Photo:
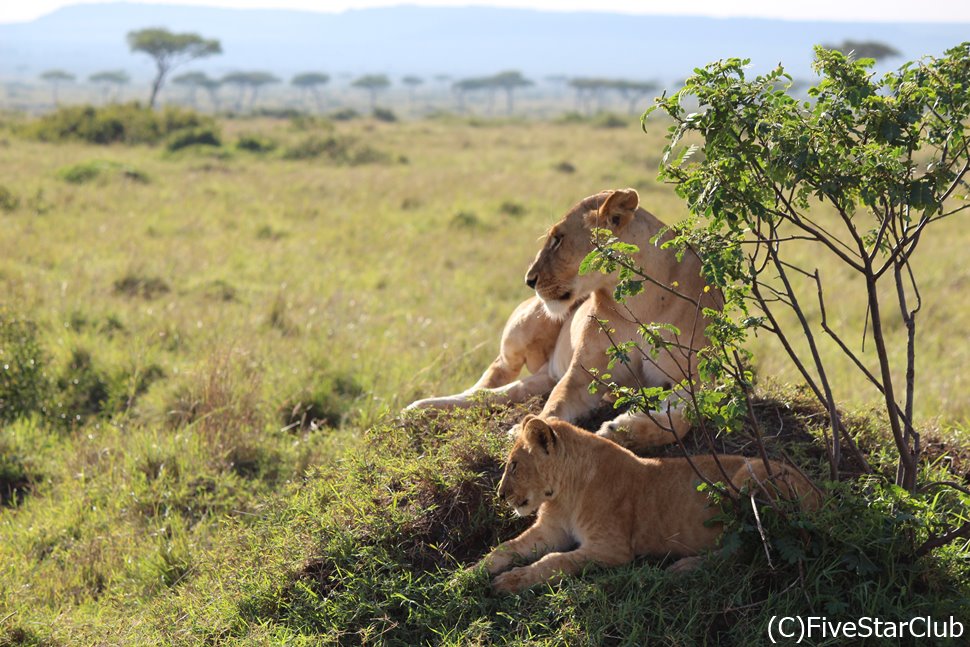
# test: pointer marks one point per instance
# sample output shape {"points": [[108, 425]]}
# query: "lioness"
{"points": [[600, 503], [556, 333]]}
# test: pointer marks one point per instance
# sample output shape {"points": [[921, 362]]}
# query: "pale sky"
{"points": [[841, 10]]}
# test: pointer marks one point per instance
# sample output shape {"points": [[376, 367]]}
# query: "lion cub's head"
{"points": [[531, 471], [555, 272]]}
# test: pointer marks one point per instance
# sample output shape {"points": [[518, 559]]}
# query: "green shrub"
{"points": [[465, 220], [136, 285], [83, 172], [24, 386], [611, 120], [82, 391], [8, 200], [513, 209], [128, 123], [255, 144], [200, 136], [344, 114], [326, 404], [385, 115], [337, 149], [15, 479]]}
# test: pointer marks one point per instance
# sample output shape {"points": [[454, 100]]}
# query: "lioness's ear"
{"points": [[538, 434], [617, 210]]}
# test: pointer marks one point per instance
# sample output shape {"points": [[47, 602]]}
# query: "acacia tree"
{"points": [[169, 50], [255, 81], [412, 82], [859, 174], [108, 78], [509, 81], [312, 81], [372, 83], [55, 78], [193, 81], [866, 49]]}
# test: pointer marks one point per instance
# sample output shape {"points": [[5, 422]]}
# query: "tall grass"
{"points": [[230, 330]]}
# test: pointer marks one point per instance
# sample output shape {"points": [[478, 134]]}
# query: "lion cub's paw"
{"points": [[514, 581], [686, 564]]}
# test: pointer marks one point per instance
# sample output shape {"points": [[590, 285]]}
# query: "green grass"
{"points": [[237, 335]]}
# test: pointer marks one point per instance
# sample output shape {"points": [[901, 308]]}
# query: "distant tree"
{"points": [[373, 83], [865, 49], [464, 86], [633, 92], [442, 78], [241, 81], [55, 78], [212, 86], [256, 81], [107, 79], [251, 81], [557, 81], [169, 51], [193, 81], [412, 82], [509, 81], [588, 88], [311, 82]]}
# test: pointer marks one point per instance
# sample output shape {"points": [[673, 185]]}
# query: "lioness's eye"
{"points": [[556, 240], [512, 467]]}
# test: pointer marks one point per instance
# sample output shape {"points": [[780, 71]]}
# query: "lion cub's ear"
{"points": [[617, 210], [540, 435]]}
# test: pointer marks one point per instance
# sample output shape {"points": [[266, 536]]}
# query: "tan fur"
{"points": [[555, 334], [599, 503]]}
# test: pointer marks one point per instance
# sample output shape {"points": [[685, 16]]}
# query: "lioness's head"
{"points": [[555, 272], [530, 475]]}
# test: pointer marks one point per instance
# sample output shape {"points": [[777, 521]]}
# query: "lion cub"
{"points": [[598, 502]]}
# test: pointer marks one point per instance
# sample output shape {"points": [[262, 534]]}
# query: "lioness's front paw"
{"points": [[612, 430], [514, 581], [686, 564]]}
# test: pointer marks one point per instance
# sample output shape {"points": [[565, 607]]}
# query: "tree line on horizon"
{"points": [[170, 50]]}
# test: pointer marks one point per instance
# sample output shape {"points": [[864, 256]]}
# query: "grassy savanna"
{"points": [[226, 337]]}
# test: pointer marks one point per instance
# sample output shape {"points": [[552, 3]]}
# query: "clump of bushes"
{"points": [[255, 144], [344, 114], [465, 220], [84, 172], [24, 387], [326, 404], [199, 136], [222, 402], [385, 115], [336, 149], [129, 123], [137, 285], [15, 479], [513, 209], [612, 120], [8, 200]]}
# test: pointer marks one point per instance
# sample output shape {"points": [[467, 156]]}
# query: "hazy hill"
{"points": [[455, 41]]}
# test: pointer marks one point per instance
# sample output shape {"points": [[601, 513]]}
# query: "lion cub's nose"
{"points": [[530, 280]]}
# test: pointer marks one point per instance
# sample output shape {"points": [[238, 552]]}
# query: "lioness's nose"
{"points": [[530, 280]]}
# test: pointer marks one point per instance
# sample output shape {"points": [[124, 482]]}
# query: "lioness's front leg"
{"points": [[637, 431], [538, 540], [527, 341]]}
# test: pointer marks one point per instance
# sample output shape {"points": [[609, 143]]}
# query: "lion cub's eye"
{"points": [[512, 467]]}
